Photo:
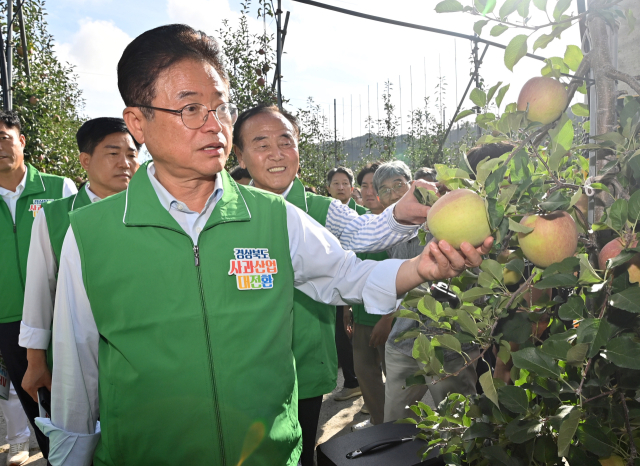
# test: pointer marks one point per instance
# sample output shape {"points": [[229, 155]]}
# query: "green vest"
{"points": [[314, 323], [57, 216], [360, 315], [357, 207], [15, 237], [193, 370]]}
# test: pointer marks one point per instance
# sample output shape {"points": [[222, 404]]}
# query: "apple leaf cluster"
{"points": [[49, 101], [566, 337]]}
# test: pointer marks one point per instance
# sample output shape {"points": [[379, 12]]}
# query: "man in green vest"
{"points": [[24, 191], [109, 156], [340, 186], [266, 143], [173, 315]]}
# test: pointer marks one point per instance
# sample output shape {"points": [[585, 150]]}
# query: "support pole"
{"points": [[279, 53], [9, 92], [335, 132], [23, 41]]}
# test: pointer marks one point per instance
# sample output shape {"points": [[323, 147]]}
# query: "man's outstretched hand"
{"points": [[408, 211], [439, 261]]}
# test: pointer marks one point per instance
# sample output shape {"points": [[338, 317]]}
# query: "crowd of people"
{"points": [[173, 312]]}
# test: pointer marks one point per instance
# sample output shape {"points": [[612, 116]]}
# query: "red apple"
{"points": [[545, 98], [553, 239], [611, 250]]}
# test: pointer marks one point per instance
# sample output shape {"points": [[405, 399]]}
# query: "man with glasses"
{"points": [[392, 180], [174, 305]]}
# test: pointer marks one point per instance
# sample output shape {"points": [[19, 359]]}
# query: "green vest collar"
{"points": [[297, 195], [81, 199], [34, 184], [352, 203], [143, 208]]}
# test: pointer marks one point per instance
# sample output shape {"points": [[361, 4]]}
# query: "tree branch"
{"points": [[610, 392], [632, 444], [624, 77]]}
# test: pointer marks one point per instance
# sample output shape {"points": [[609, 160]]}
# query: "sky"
{"points": [[327, 55]]}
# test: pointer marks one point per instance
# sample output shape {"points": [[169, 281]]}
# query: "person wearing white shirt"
{"points": [[175, 297], [24, 191], [109, 156]]}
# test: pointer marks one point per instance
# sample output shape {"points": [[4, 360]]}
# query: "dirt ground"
{"points": [[336, 418]]}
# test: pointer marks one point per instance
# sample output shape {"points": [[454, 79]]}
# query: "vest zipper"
{"points": [[205, 318], [15, 237]]}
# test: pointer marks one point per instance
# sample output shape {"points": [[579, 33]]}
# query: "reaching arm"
{"points": [[73, 430], [374, 233]]}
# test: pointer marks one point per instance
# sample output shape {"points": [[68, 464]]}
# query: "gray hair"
{"points": [[390, 170]]}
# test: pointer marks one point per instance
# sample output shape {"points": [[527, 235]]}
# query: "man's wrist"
{"points": [[36, 356]]}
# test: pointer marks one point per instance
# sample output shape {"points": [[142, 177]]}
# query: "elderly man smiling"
{"points": [[266, 142], [173, 320]]}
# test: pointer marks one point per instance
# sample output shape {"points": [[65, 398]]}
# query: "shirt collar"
{"points": [[92, 196], [284, 194], [19, 188], [169, 202]]}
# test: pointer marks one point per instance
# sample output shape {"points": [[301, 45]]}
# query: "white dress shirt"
{"points": [[11, 197], [37, 313], [322, 270], [364, 233]]}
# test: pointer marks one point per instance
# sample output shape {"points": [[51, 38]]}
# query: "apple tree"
{"points": [[563, 320], [48, 100]]}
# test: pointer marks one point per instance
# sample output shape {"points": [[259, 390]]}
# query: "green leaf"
{"points": [[518, 227], [497, 456], [561, 141], [545, 450], [573, 309], [514, 398], [504, 353], [634, 207], [493, 267], [631, 20], [523, 8], [517, 265], [588, 275], [595, 440], [557, 280], [629, 300], [463, 114], [478, 97], [542, 41], [486, 382], [595, 332], [540, 4], [577, 353], [568, 265], [560, 8], [573, 57], [492, 91], [475, 293], [467, 323], [425, 196], [422, 349], [534, 360], [449, 6], [406, 314], [478, 430], [557, 201], [519, 431], [516, 49], [623, 352], [503, 90], [557, 349], [447, 341], [581, 110], [614, 137], [485, 6], [508, 7], [484, 169], [498, 29], [618, 214], [567, 431], [478, 25]]}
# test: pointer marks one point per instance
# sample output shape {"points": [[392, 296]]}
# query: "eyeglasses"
{"points": [[194, 116], [397, 188]]}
